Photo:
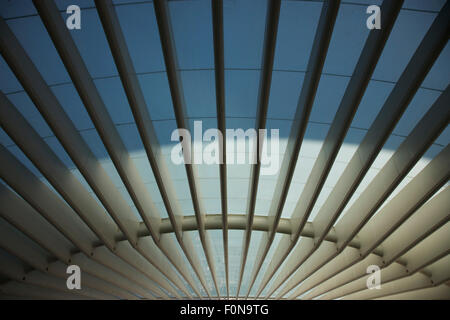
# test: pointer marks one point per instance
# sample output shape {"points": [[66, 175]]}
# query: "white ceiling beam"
{"points": [[394, 106], [21, 246], [441, 292], [412, 282], [354, 92], [426, 220], [268, 55], [176, 90], [219, 74], [64, 130]]}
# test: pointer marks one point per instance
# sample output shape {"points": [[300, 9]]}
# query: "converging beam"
{"points": [[378, 133], [270, 39], [304, 106], [176, 90], [217, 18]]}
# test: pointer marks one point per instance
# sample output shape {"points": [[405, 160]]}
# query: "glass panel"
{"points": [[371, 104], [188, 266], [276, 274], [155, 88], [269, 172], [241, 94], [238, 173]]}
